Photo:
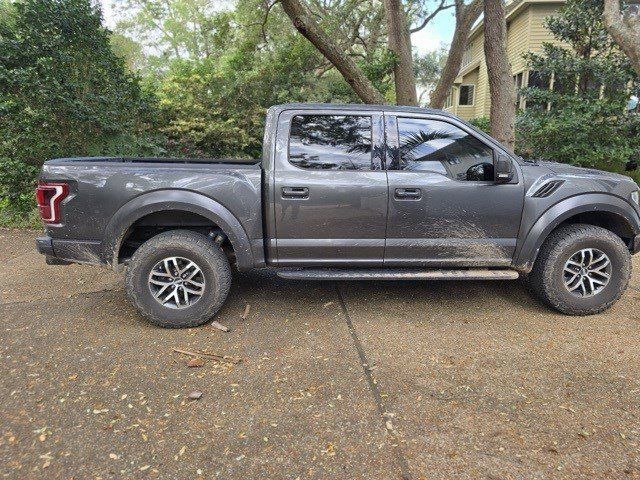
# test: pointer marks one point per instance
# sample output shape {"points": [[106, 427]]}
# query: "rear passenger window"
{"points": [[435, 146], [331, 142]]}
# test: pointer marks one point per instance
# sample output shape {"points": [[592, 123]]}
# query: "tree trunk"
{"points": [[309, 28], [465, 18], [503, 110], [625, 31], [400, 45]]}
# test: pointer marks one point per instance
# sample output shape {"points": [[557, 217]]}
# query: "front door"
{"points": [[444, 207], [330, 190]]}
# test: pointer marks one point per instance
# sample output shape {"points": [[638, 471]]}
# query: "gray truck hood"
{"points": [[578, 180], [573, 171]]}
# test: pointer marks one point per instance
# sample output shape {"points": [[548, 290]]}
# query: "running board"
{"points": [[398, 274]]}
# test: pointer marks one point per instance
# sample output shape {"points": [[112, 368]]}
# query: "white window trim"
{"points": [[521, 101], [474, 94], [451, 98]]}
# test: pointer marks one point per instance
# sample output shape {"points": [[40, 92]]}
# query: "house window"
{"points": [[466, 57], [466, 95], [517, 81], [541, 81]]}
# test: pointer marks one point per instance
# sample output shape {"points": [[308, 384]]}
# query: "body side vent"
{"points": [[548, 188]]}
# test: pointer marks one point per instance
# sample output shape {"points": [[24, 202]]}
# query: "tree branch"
{"points": [[305, 24], [432, 15], [625, 31], [263, 24]]}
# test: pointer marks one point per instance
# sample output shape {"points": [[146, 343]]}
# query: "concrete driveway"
{"points": [[336, 381]]}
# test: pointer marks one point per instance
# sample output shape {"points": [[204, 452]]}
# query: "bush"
{"points": [[482, 123], [589, 134], [62, 89], [17, 184], [580, 120]]}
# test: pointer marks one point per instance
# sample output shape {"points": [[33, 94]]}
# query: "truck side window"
{"points": [[440, 147], [331, 142]]}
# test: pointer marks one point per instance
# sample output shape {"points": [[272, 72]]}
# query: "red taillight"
{"points": [[49, 196]]}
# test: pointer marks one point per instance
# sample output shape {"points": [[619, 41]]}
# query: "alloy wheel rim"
{"points": [[587, 272], [176, 282]]}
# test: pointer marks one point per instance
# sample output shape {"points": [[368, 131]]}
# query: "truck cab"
{"points": [[395, 188]]}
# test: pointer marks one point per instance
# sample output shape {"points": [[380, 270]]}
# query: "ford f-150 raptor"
{"points": [[344, 192]]}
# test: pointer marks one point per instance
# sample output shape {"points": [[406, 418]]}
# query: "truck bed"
{"points": [[104, 189]]}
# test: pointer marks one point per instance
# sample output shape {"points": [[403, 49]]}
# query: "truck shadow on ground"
{"points": [[396, 299]]}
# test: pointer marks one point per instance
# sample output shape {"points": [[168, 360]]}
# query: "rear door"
{"points": [[330, 195], [444, 207]]}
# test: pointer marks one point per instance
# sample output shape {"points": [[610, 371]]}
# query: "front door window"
{"points": [[440, 147]]}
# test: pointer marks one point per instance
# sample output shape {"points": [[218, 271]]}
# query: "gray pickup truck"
{"points": [[344, 192]]}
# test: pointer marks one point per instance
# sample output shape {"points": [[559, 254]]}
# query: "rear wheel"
{"points": [[178, 279], [581, 269]]}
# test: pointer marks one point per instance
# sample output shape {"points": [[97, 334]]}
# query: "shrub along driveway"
{"points": [[350, 380]]}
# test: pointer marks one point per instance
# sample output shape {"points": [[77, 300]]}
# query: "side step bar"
{"points": [[398, 274]]}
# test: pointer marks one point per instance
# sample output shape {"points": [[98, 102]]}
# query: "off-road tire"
{"points": [[546, 278], [190, 245]]}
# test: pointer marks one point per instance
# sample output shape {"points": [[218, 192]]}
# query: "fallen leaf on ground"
{"points": [[195, 362]]}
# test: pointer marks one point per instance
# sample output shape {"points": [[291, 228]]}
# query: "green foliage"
{"points": [[582, 120], [482, 123], [17, 185], [63, 92], [590, 134], [62, 89], [428, 68]]}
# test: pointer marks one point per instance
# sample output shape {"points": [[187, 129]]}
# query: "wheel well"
{"points": [[158, 222], [611, 221]]}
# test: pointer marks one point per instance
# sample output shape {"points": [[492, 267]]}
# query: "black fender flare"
{"points": [[532, 240], [162, 200]]}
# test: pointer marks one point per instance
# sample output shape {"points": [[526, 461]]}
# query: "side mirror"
{"points": [[503, 168], [480, 172]]}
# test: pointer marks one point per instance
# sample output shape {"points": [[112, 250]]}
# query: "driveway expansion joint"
{"points": [[400, 458]]}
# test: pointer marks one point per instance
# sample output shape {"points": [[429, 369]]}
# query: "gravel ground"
{"points": [[348, 381]]}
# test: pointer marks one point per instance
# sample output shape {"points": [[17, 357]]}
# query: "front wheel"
{"points": [[581, 269], [178, 279]]}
